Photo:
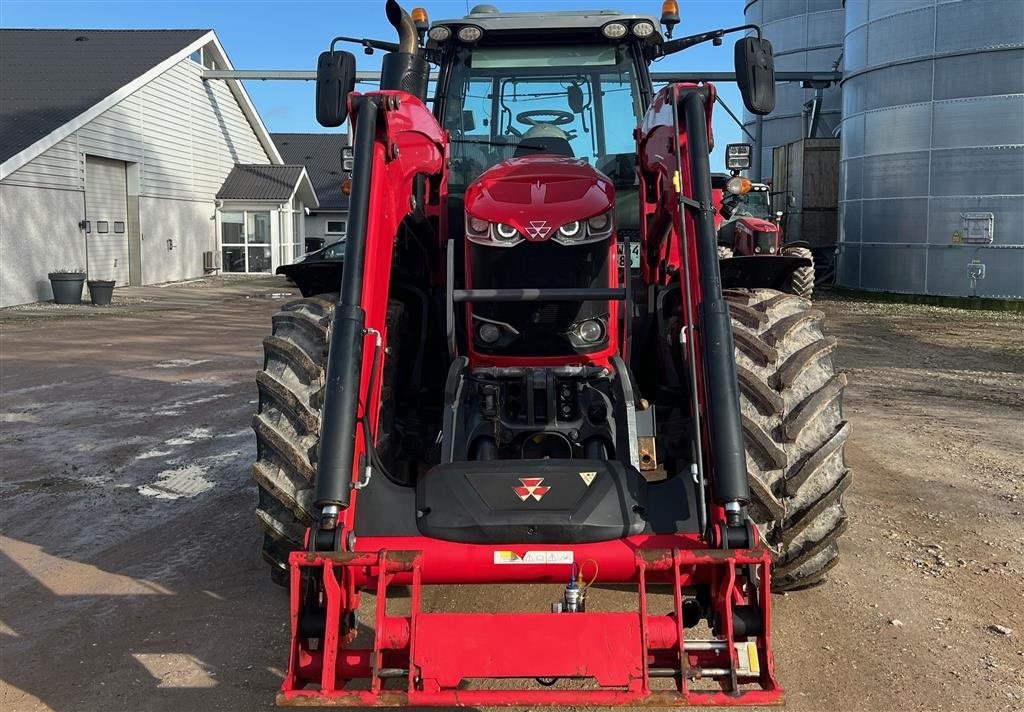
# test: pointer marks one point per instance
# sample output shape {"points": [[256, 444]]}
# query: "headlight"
{"points": [[505, 233], [600, 224], [478, 225], [643, 29], [614, 30], [579, 232], [470, 33], [571, 231], [489, 333], [590, 331], [484, 232], [440, 33]]}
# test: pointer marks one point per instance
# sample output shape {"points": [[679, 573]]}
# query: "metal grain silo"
{"points": [[932, 157], [807, 35]]}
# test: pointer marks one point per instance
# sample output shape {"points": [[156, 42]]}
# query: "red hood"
{"points": [[534, 189], [758, 224]]}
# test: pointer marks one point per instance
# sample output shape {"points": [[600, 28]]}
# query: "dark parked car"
{"points": [[317, 272]]}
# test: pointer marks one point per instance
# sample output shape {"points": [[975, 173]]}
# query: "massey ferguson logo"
{"points": [[530, 488], [538, 230]]}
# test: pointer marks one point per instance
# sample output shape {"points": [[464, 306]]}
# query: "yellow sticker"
{"points": [[588, 477], [755, 664]]}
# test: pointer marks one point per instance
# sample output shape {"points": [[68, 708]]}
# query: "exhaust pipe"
{"points": [[404, 70], [402, 22]]}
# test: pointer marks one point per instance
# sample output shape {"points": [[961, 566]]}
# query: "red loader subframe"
{"points": [[563, 483]]}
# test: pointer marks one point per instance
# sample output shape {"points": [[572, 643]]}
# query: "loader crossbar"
{"points": [[594, 658]]}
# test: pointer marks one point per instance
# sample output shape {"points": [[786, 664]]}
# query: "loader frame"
{"points": [[423, 659]]}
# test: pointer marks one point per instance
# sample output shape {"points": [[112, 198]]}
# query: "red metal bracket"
{"points": [[434, 659]]}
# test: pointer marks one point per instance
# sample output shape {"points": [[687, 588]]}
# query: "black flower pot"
{"points": [[101, 291], [67, 287]]}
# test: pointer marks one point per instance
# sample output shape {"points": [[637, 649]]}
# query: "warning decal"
{"points": [[533, 557]]}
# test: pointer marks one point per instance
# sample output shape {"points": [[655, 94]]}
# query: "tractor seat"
{"points": [[544, 138]]}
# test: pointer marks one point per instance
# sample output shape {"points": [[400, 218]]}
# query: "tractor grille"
{"points": [[542, 326]]}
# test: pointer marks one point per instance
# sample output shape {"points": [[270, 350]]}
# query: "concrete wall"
{"points": [[190, 225], [47, 220]]}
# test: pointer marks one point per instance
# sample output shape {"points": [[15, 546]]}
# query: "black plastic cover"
{"points": [[335, 80], [551, 501], [755, 74]]}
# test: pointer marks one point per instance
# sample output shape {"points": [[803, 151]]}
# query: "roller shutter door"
{"points": [[106, 209]]}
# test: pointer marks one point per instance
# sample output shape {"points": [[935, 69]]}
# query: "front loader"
{"points": [[489, 398]]}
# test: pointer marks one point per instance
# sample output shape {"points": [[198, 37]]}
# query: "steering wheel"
{"points": [[535, 117]]}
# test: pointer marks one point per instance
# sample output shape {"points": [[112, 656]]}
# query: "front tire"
{"points": [[287, 425], [801, 281], [791, 410]]}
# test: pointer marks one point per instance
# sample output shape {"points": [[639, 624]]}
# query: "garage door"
{"points": [[106, 209]]}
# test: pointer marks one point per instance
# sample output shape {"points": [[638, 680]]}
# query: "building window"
{"points": [[197, 56], [335, 227], [245, 241]]}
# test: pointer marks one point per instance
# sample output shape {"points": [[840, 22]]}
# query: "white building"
{"points": [[320, 153], [113, 149]]}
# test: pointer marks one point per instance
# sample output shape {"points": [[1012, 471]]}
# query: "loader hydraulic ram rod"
{"points": [[726, 434], [345, 359]]}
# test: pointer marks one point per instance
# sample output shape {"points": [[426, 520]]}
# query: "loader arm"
{"points": [[679, 246], [396, 140]]}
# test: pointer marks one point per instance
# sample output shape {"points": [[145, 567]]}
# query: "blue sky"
{"points": [[278, 34]]}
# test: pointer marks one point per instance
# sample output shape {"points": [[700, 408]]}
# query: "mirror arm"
{"points": [[682, 43], [366, 43]]}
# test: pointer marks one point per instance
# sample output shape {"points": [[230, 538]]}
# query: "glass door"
{"points": [[258, 235], [245, 241]]}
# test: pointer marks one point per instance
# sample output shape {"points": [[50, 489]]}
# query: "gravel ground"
{"points": [[129, 571]]}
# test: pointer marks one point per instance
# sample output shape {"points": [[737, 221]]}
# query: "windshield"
{"points": [[754, 205], [586, 94]]}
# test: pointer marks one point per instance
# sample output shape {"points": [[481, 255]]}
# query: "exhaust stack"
{"points": [[405, 69]]}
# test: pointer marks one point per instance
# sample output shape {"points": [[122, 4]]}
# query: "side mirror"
{"points": [[575, 98], [335, 80], [755, 74], [468, 122]]}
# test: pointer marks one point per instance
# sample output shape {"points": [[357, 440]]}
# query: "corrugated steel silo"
{"points": [[807, 35], [932, 158]]}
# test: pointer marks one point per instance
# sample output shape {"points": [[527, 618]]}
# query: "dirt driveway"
{"points": [[129, 572]]}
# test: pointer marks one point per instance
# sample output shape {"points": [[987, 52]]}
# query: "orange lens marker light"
{"points": [[419, 16]]}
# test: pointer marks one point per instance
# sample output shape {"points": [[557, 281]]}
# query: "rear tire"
{"points": [[791, 410], [801, 281]]}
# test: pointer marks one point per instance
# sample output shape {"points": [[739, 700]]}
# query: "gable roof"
{"points": [[320, 153], [259, 181], [55, 81]]}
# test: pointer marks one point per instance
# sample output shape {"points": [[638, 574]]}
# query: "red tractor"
{"points": [[747, 227], [488, 399]]}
